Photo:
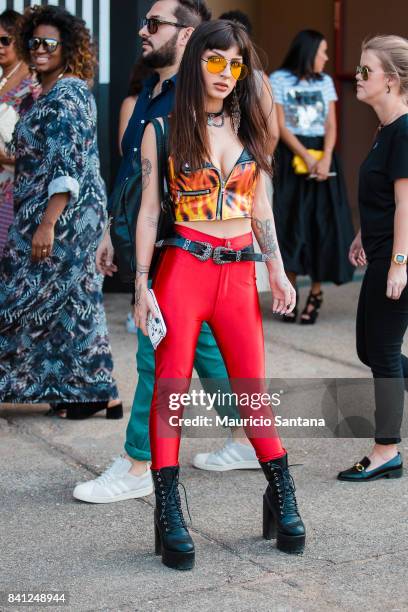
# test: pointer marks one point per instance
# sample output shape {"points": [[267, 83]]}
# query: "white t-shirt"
{"points": [[305, 103]]}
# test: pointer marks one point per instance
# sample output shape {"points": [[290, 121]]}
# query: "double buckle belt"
{"points": [[204, 251]]}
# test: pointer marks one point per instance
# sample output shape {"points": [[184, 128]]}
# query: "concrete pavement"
{"points": [[103, 556]]}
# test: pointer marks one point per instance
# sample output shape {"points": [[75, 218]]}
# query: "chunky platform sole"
{"points": [[294, 545], [173, 559], [391, 473], [79, 412]]}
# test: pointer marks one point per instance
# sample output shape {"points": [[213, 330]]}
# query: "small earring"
{"points": [[388, 89], [235, 112], [66, 69]]}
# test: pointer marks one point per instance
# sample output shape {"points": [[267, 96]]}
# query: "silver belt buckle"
{"points": [[207, 253], [218, 252]]}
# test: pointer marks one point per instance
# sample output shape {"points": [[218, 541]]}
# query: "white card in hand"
{"points": [[156, 326]]}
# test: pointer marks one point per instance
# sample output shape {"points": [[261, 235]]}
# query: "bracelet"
{"points": [[107, 225], [269, 256]]}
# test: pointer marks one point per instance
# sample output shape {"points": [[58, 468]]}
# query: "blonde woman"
{"points": [[382, 242]]}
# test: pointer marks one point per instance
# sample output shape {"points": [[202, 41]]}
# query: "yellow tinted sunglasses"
{"points": [[217, 64]]}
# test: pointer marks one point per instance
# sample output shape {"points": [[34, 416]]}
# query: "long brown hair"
{"points": [[189, 137]]}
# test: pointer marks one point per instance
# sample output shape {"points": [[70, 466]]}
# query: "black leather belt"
{"points": [[205, 251]]}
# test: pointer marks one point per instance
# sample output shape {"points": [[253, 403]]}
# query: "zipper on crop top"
{"points": [[223, 184], [200, 192]]}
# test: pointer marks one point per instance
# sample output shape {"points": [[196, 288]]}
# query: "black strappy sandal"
{"points": [[292, 316], [77, 411], [315, 300]]}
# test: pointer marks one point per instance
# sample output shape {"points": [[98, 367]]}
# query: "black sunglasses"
{"points": [[6, 41], [50, 44], [152, 24]]}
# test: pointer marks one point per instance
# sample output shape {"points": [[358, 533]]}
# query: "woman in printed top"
{"points": [[218, 168], [54, 345], [313, 221], [382, 243], [15, 84]]}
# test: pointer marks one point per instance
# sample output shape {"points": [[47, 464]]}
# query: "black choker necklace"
{"points": [[212, 118], [216, 114]]}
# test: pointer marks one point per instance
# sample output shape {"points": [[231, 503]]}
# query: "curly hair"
{"points": [[78, 50]]}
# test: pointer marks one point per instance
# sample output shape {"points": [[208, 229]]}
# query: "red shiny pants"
{"points": [[190, 292]]}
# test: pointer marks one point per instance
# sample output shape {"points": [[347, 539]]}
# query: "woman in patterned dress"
{"points": [[54, 344], [15, 84]]}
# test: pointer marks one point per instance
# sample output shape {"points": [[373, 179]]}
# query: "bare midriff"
{"points": [[220, 229]]}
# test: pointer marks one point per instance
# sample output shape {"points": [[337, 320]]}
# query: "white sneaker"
{"points": [[232, 456], [130, 324], [115, 484]]}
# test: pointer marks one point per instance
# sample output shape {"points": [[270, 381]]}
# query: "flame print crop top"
{"points": [[203, 194]]}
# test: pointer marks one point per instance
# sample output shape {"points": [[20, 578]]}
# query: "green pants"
{"points": [[208, 364]]}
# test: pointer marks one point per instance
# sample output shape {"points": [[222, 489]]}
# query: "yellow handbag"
{"points": [[299, 165]]}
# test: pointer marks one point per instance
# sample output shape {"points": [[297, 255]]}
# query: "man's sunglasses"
{"points": [[6, 41], [217, 64], [364, 71], [49, 44], [152, 24]]}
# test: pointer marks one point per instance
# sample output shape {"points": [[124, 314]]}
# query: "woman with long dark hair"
{"points": [[54, 344], [313, 221], [217, 167]]}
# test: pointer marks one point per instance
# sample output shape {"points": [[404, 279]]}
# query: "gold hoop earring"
{"points": [[64, 72]]}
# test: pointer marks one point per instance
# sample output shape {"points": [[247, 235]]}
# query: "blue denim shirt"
{"points": [[146, 109]]}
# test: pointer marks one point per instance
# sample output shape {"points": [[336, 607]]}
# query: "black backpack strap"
{"points": [[166, 152], [162, 155], [166, 133], [135, 159]]}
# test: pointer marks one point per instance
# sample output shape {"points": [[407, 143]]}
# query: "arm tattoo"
{"points": [[138, 294], [146, 172], [152, 222], [266, 237]]}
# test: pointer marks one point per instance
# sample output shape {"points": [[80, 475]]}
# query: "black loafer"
{"points": [[359, 473]]}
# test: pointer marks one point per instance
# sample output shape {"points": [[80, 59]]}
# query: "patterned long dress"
{"points": [[13, 98], [53, 337]]}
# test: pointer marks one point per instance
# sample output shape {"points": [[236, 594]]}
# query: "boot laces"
{"points": [[285, 487], [173, 495]]}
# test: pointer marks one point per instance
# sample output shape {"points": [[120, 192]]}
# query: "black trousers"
{"points": [[381, 325]]}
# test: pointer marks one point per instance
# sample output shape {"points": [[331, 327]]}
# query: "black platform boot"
{"points": [[281, 518], [172, 540]]}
